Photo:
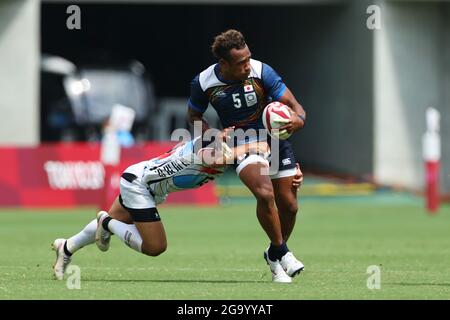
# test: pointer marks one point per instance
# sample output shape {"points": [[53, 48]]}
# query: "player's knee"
{"points": [[265, 194], [292, 208], [154, 250], [288, 207]]}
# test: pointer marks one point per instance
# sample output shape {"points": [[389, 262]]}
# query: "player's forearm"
{"points": [[289, 99], [251, 148], [301, 113], [196, 116], [298, 109], [226, 155]]}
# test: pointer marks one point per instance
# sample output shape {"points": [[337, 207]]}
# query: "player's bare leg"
{"points": [[286, 200], [119, 213], [145, 237], [153, 235], [261, 187]]}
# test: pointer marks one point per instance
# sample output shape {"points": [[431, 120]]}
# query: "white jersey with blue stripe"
{"points": [[178, 169]]}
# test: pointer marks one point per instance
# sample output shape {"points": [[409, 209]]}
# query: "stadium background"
{"points": [[365, 91]]}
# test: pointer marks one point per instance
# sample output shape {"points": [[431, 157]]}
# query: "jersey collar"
{"points": [[219, 76]]}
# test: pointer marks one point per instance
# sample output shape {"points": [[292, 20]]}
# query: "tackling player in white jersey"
{"points": [[133, 217]]}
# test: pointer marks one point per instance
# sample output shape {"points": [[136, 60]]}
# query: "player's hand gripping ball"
{"points": [[276, 115]]}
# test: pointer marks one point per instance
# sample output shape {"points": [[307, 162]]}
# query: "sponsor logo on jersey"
{"points": [[220, 94], [250, 99], [286, 161]]}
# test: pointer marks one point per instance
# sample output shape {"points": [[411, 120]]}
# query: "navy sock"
{"points": [[66, 251], [277, 252], [105, 223]]}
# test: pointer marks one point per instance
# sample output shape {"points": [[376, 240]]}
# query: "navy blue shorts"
{"points": [[286, 155]]}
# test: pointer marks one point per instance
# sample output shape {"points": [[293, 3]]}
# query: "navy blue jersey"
{"points": [[238, 103]]}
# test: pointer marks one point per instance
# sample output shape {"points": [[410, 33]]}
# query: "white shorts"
{"points": [[284, 173], [135, 195], [253, 158], [136, 198]]}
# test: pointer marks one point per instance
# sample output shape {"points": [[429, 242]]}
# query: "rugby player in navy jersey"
{"points": [[238, 88]]}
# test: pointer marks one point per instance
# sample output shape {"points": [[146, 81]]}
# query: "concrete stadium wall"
{"points": [[231, 2], [411, 74], [332, 70], [19, 65], [445, 106]]}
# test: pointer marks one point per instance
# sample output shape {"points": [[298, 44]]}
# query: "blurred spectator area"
{"points": [[77, 100]]}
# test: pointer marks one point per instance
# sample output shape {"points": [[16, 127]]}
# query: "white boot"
{"points": [[62, 259], [102, 236]]}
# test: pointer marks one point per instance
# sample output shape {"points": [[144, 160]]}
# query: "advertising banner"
{"points": [[69, 175]]}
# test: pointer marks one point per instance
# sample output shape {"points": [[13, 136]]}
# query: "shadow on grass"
{"points": [[175, 281], [419, 284]]}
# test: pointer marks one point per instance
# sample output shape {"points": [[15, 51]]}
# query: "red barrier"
{"points": [[432, 186], [69, 175]]}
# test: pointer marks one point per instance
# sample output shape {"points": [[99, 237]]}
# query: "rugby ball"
{"points": [[274, 116]]}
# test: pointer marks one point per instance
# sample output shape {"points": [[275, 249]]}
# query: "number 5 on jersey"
{"points": [[237, 100], [250, 99]]}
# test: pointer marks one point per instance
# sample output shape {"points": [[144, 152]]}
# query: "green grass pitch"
{"points": [[216, 253]]}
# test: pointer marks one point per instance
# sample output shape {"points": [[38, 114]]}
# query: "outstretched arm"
{"points": [[222, 155]]}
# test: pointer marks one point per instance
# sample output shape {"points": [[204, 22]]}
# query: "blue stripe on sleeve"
{"points": [[280, 93]]}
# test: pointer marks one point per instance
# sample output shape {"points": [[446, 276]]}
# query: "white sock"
{"points": [[127, 233], [85, 237]]}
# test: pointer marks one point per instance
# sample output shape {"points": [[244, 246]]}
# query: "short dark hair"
{"points": [[225, 42]]}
